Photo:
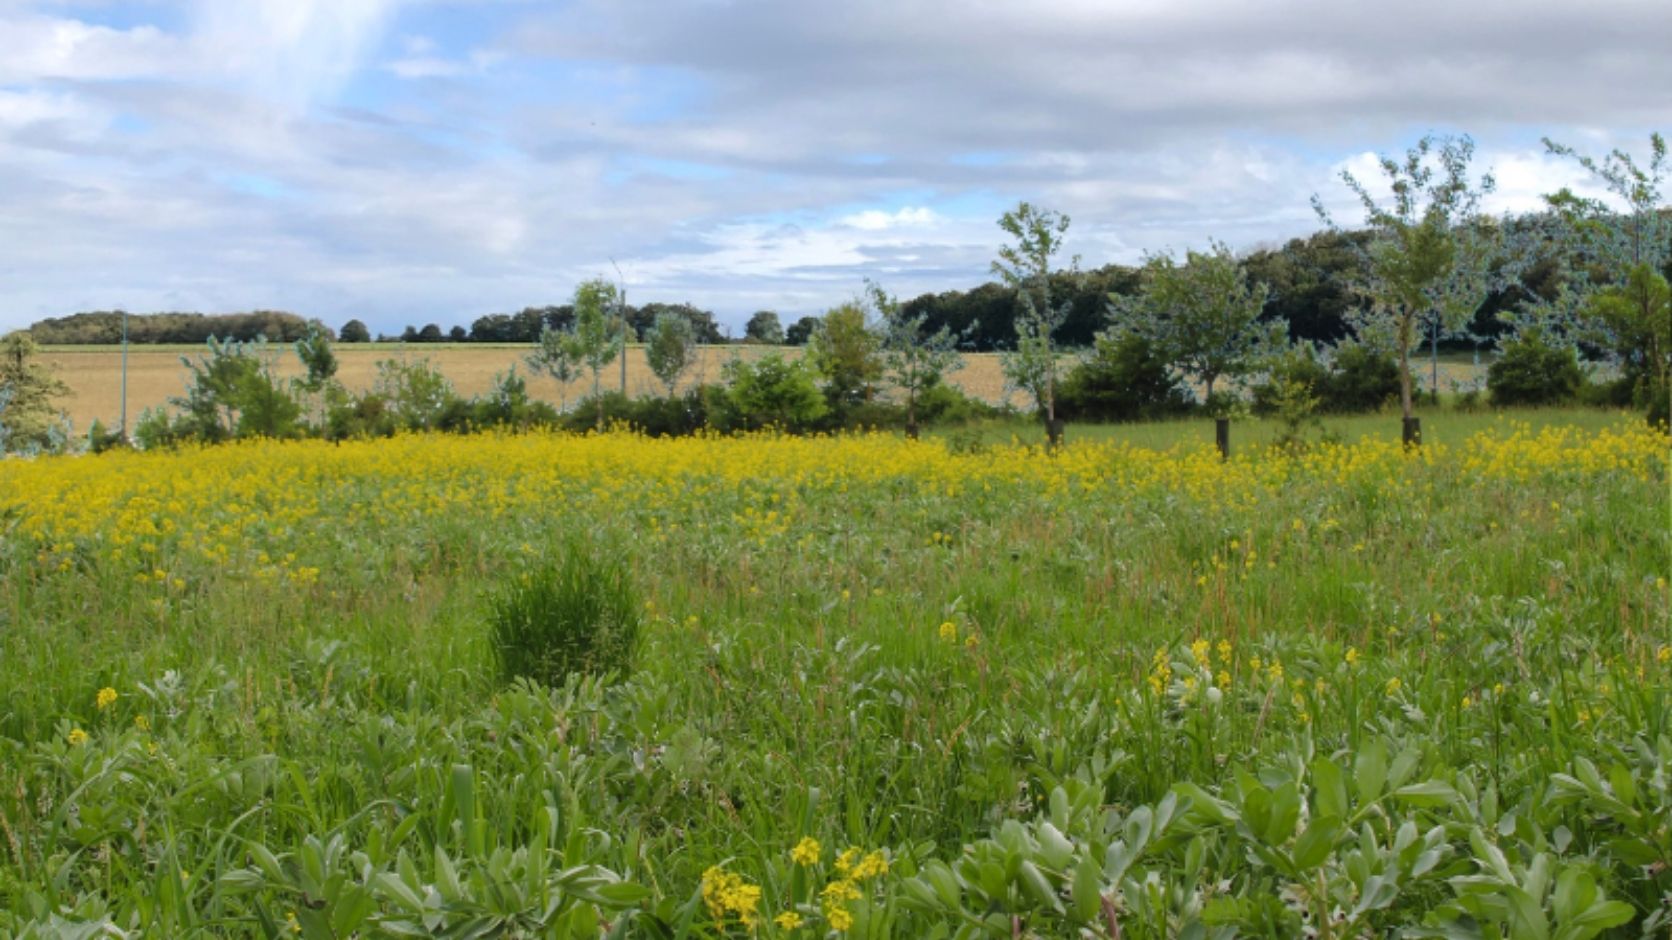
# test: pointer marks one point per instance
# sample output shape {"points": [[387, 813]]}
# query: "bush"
{"points": [[577, 617], [1124, 379], [1360, 379], [1295, 371], [1533, 371], [772, 391]]}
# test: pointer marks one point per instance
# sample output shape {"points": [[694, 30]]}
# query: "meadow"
{"points": [[955, 687]]}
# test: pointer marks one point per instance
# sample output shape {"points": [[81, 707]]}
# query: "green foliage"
{"points": [[913, 359], [1430, 255], [1123, 379], [801, 331], [764, 328], [414, 391], [1025, 266], [556, 356], [577, 616], [28, 394], [1201, 317], [597, 336], [354, 331], [105, 326], [1533, 371], [773, 392], [1636, 321], [1362, 378], [671, 349], [845, 351]]}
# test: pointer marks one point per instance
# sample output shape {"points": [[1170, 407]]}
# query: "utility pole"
{"points": [[621, 312], [124, 430]]}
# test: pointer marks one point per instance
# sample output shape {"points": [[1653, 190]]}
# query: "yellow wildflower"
{"points": [[1352, 656], [840, 919], [971, 642], [1663, 655], [1394, 685], [77, 737], [142, 723], [806, 852], [789, 920], [1199, 651], [949, 632], [105, 698], [845, 861]]}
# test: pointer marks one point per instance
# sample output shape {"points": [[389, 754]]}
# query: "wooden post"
{"points": [[1411, 432], [1222, 437]]}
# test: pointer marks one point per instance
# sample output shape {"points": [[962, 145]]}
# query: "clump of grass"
{"points": [[578, 615]]}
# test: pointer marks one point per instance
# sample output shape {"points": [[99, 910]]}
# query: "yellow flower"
{"points": [[1224, 651], [1394, 685], [806, 852], [105, 698], [789, 920], [142, 723], [1468, 702], [1352, 656], [872, 865], [949, 632], [840, 920], [845, 861], [77, 737], [1663, 655], [1199, 651], [971, 642], [1224, 679]]}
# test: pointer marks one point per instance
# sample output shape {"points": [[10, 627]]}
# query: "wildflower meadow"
{"points": [[854, 686]]}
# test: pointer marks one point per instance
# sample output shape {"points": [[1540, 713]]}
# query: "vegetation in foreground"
{"points": [[873, 688]]}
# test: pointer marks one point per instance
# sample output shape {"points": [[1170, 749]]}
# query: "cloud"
{"points": [[432, 160]]}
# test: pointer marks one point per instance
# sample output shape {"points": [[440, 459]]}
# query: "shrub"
{"points": [[1124, 379], [773, 391], [576, 617], [1533, 371], [1297, 366], [1361, 379]]}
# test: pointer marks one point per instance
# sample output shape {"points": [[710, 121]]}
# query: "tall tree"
{"points": [[321, 363], [354, 331], [1201, 317], [1025, 266], [1428, 255], [914, 360]]}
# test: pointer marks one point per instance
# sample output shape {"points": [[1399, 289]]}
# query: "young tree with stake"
{"points": [[597, 331], [913, 360], [1429, 257], [1026, 267]]}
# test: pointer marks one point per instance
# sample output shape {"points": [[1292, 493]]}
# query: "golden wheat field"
{"points": [[155, 373]]}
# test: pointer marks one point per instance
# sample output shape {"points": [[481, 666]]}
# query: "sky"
{"points": [[414, 161]]}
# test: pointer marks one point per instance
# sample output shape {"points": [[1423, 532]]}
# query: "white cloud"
{"points": [[876, 220]]}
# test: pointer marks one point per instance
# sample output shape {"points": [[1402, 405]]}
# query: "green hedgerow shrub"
{"points": [[1361, 379], [577, 616], [1534, 371]]}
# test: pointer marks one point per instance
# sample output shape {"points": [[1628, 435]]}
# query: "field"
{"points": [[155, 373], [882, 688]]}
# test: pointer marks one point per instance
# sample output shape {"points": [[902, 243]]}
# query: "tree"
{"points": [[764, 329], [1428, 256], [458, 334], [913, 359], [555, 357], [597, 333], [354, 332], [28, 390], [317, 357], [671, 348], [431, 333], [844, 351], [1026, 267], [801, 331], [1637, 316], [1201, 317], [1621, 297]]}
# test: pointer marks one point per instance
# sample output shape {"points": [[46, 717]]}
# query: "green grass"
{"points": [[960, 680]]}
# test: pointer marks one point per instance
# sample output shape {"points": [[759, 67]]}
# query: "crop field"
{"points": [[155, 374], [872, 688]]}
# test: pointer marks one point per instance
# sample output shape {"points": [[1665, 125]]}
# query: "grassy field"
{"points": [[881, 688], [156, 374]]}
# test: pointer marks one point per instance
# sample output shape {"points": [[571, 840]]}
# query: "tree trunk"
{"points": [[911, 415], [1405, 367]]}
